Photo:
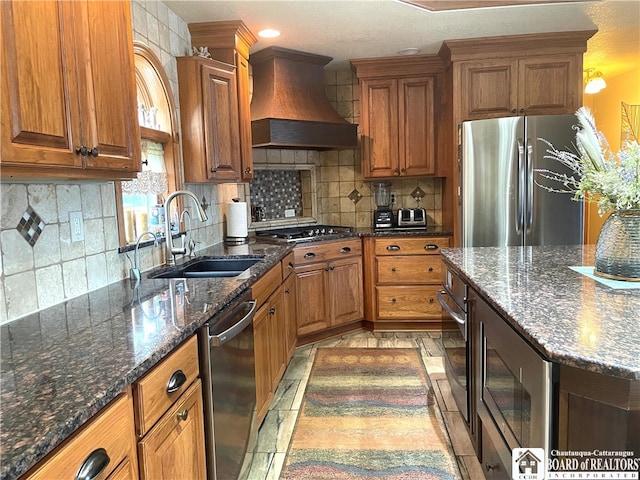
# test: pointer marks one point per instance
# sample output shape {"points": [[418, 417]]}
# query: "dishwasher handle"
{"points": [[226, 335]]}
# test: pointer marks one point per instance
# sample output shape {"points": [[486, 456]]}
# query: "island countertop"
{"points": [[569, 317]]}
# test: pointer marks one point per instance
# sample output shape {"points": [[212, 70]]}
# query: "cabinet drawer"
{"points": [[323, 251], [266, 285], [411, 302], [401, 269], [152, 395], [410, 246], [288, 264], [112, 429]]}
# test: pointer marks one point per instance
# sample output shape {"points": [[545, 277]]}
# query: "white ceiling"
{"points": [[346, 29]]}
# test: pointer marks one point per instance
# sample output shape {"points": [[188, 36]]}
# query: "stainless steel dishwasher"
{"points": [[227, 366]]}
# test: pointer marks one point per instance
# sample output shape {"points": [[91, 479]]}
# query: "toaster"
{"points": [[412, 217]]}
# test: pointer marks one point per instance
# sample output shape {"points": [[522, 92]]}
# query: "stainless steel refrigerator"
{"points": [[501, 204]]}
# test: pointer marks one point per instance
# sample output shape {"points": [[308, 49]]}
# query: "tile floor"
{"points": [[278, 425]]}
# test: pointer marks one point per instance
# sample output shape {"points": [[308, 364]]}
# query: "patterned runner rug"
{"points": [[369, 414]]}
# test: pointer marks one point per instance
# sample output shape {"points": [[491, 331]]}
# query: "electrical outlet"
{"points": [[77, 227], [290, 212]]}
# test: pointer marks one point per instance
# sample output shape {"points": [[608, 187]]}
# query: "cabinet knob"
{"points": [[247, 170], [272, 311], [289, 265], [431, 269], [397, 171], [490, 466], [403, 170], [513, 110], [176, 381], [287, 291], [332, 268], [94, 152], [393, 269], [82, 150], [393, 300], [93, 465], [431, 300], [522, 110], [214, 169], [183, 415]]}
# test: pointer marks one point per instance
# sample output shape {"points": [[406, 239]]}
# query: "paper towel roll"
{"points": [[237, 220]]}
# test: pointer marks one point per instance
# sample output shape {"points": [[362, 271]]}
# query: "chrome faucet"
{"points": [[191, 243], [171, 250], [134, 273]]}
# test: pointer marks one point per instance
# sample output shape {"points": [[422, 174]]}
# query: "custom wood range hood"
{"points": [[289, 108]]}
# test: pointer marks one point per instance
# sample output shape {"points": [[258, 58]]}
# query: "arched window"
{"points": [[139, 202]]}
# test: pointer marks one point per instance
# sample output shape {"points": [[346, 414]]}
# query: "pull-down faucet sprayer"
{"points": [[171, 250]]}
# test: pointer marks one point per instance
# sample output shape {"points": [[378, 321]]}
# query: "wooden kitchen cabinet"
{"points": [[68, 91], [209, 118], [229, 42], [402, 279], [170, 417], [109, 437], [271, 331], [328, 285], [398, 115], [545, 85]]}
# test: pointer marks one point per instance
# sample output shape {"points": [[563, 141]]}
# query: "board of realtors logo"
{"points": [[527, 464]]}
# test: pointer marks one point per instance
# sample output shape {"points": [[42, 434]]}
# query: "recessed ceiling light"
{"points": [[268, 33], [409, 51]]}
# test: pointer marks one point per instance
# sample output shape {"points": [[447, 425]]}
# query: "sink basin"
{"points": [[209, 267]]}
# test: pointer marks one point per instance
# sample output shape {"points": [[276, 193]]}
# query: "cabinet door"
{"points": [[220, 102], [261, 340], [277, 337], [311, 295], [244, 112], [489, 88], [345, 278], [107, 84], [379, 117], [40, 114], [290, 314], [550, 85], [174, 447], [416, 129]]}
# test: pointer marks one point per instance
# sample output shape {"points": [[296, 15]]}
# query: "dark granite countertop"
{"points": [[571, 318], [61, 365]]}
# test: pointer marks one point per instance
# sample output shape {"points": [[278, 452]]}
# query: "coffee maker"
{"points": [[383, 215]]}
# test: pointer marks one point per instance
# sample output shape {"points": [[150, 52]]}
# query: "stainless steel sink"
{"points": [[208, 267]]}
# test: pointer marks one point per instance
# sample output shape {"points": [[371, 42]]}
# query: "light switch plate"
{"points": [[77, 227]]}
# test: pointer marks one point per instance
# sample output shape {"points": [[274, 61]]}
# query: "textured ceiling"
{"points": [[345, 29]]}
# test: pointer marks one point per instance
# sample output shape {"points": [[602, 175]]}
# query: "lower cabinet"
{"points": [[273, 342], [170, 417], [328, 285], [174, 447], [402, 279], [103, 448]]}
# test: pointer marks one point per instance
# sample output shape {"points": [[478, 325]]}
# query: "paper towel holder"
{"points": [[235, 240]]}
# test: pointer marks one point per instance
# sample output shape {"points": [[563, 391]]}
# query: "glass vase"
{"points": [[618, 247]]}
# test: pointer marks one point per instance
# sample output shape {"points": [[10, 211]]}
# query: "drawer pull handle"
{"points": [[93, 465], [309, 255], [393, 269], [345, 250], [176, 381], [183, 415], [431, 246], [431, 269], [394, 248]]}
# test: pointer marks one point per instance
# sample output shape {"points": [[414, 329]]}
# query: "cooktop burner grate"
{"points": [[291, 234]]}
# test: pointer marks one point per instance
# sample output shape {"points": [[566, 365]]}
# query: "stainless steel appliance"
{"points": [[500, 202], [291, 234], [456, 343], [383, 214], [412, 217], [227, 366], [514, 394]]}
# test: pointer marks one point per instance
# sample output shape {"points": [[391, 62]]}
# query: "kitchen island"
{"points": [[550, 341]]}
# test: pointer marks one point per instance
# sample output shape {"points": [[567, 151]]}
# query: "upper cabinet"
{"points": [[230, 42], [397, 109], [537, 74], [68, 91], [210, 125]]}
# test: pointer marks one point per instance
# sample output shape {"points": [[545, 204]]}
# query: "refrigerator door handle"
{"points": [[521, 188], [529, 208]]}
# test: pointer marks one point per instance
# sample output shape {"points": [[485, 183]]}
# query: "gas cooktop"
{"points": [[291, 234]]}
